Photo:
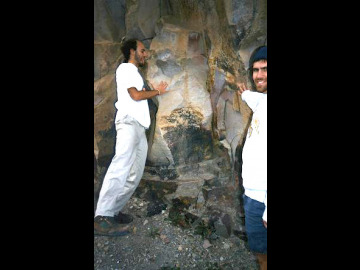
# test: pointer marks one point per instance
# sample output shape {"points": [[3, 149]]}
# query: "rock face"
{"points": [[200, 48]]}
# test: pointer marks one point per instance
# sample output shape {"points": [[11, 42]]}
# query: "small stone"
{"points": [[226, 246], [164, 238], [206, 244]]}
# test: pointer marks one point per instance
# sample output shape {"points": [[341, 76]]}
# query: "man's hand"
{"points": [[242, 88], [265, 223], [143, 94], [161, 87]]}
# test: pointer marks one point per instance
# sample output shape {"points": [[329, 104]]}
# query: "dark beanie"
{"points": [[261, 54]]}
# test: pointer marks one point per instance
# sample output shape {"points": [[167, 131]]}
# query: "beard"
{"points": [[138, 60], [261, 88]]}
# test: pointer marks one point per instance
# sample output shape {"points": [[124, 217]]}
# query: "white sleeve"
{"points": [[265, 211], [126, 77], [251, 98]]}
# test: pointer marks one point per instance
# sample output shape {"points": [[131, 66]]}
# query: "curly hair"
{"points": [[125, 48]]}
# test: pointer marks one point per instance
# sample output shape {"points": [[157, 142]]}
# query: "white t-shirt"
{"points": [[254, 156], [127, 76]]}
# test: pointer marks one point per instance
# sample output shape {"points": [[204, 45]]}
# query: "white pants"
{"points": [[126, 168]]}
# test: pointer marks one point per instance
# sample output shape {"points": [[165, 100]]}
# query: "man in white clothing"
{"points": [[254, 157], [131, 121]]}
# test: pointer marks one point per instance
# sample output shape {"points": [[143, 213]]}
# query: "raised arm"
{"points": [[242, 88], [141, 95]]}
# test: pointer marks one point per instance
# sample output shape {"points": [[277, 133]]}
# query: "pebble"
{"points": [[173, 247], [226, 246], [206, 244], [164, 238]]}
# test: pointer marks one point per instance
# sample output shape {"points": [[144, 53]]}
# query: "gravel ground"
{"points": [[155, 243]]}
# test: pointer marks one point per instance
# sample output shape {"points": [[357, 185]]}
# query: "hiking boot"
{"points": [[107, 226], [123, 218]]}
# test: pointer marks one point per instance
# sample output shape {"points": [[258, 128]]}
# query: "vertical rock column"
{"points": [[184, 159]]}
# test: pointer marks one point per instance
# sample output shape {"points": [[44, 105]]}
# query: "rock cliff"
{"points": [[200, 48]]}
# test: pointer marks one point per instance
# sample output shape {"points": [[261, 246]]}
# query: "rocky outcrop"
{"points": [[200, 48]]}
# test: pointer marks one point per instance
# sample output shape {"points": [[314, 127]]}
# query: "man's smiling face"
{"points": [[260, 75]]}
